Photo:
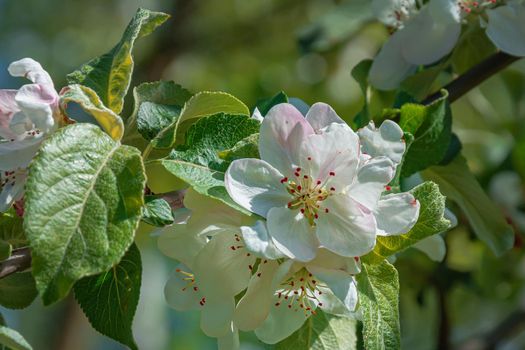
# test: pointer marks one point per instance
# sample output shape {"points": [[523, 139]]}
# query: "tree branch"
{"points": [[474, 76], [19, 260]]}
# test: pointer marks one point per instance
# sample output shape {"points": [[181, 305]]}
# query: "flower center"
{"points": [[469, 6], [308, 194], [299, 292]]}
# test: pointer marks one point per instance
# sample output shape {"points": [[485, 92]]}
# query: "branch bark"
{"points": [[19, 260], [474, 76]]}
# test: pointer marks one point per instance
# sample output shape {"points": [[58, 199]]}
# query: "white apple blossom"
{"points": [[27, 115], [393, 13], [506, 27], [320, 184]]}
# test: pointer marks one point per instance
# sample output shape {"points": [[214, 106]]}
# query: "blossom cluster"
{"points": [[309, 208]]}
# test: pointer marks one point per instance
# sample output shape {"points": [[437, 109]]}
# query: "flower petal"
{"points": [[331, 304], [8, 108], [178, 294], [18, 154], [254, 306], [281, 134], [11, 193], [348, 229], [34, 102], [217, 315], [230, 341], [506, 28], [434, 247], [30, 69], [181, 242], [341, 283], [387, 140], [292, 233], [396, 214], [255, 185], [321, 115], [259, 242]]}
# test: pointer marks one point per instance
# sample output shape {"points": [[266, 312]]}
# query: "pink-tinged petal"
{"points": [[255, 185], [18, 154], [8, 108], [372, 178], [347, 229], [180, 294], [387, 140], [37, 105], [282, 132], [331, 156], [396, 214], [320, 115], [30, 69], [292, 233]]}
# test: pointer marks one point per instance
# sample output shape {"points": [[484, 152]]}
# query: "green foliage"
{"points": [[248, 147], [11, 339], [419, 85], [431, 126], [266, 104], [91, 103], [197, 162], [17, 290], [473, 47], [84, 199], [459, 185], [322, 332], [153, 118], [110, 299], [157, 212], [378, 289], [11, 233], [109, 75], [431, 221]]}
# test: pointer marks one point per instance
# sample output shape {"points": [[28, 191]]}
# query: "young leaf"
{"points": [[431, 126], [17, 290], [109, 75], [11, 233], [157, 212], [11, 339], [110, 299], [323, 332], [431, 221], [84, 199], [264, 105], [248, 147], [378, 288], [91, 103], [197, 162], [459, 185]]}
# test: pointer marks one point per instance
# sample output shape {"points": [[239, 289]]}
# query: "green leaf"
{"points": [[204, 104], [17, 290], [472, 47], [110, 299], [157, 212], [153, 118], [84, 199], [246, 148], [5, 250], [431, 126], [459, 185], [197, 162], [322, 332], [91, 104], [431, 221], [378, 289], [266, 104], [109, 75], [419, 85], [11, 339]]}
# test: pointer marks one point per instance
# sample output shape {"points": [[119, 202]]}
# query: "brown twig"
{"points": [[19, 260], [474, 76]]}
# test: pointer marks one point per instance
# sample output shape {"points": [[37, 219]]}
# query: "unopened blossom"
{"points": [[27, 115], [278, 302], [320, 184]]}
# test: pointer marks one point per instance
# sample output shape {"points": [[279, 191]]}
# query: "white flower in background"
{"points": [[422, 39], [507, 190], [214, 264], [320, 184], [277, 303], [26, 116], [506, 27]]}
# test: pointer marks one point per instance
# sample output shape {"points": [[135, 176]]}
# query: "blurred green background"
{"points": [[253, 49]]}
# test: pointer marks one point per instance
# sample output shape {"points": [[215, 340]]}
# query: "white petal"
{"points": [[255, 185], [329, 260], [181, 242], [341, 283], [396, 214], [281, 134], [434, 247], [11, 193], [229, 341], [331, 304], [506, 28], [254, 306], [390, 68], [30, 69], [387, 140], [372, 178], [259, 242], [179, 294], [257, 115], [431, 34], [321, 115], [18, 154], [221, 270], [8, 108], [348, 229], [38, 106], [217, 315], [292, 233]]}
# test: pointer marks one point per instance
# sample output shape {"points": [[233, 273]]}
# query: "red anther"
{"points": [[279, 295], [320, 304], [332, 189], [296, 174], [289, 306], [326, 210], [299, 187], [388, 188], [292, 283], [232, 247], [301, 279], [318, 182], [309, 158], [309, 275], [289, 204], [319, 292], [302, 288], [295, 292], [286, 297], [316, 216], [356, 258], [250, 267], [248, 254], [475, 4], [265, 261], [277, 304], [195, 288], [314, 281], [413, 202], [284, 179], [298, 170], [305, 176], [292, 191], [332, 173], [259, 274], [178, 270], [302, 210], [301, 306]]}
